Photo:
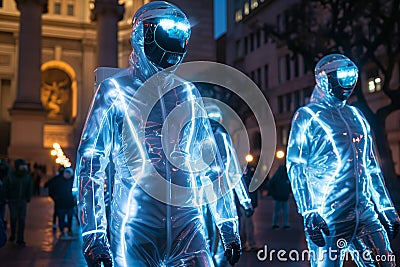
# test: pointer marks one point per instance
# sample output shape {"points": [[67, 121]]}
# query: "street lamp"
{"points": [[249, 157], [280, 154], [60, 157]]}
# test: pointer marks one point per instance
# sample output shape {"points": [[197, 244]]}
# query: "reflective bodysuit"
{"points": [[234, 170], [336, 179], [160, 181]]}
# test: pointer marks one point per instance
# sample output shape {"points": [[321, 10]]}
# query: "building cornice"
{"points": [[42, 3]]}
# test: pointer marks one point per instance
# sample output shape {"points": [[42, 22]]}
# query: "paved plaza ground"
{"points": [[44, 248]]}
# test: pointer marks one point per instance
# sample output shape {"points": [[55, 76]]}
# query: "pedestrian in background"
{"points": [[18, 193], [246, 225], [36, 176], [3, 234], [51, 186], [279, 188], [64, 202]]}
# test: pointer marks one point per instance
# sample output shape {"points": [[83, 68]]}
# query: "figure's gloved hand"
{"points": [[391, 221], [231, 241], [314, 226], [233, 252], [96, 250], [248, 209]]}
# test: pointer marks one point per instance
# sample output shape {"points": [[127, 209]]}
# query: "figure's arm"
{"points": [[379, 192], [92, 159], [298, 154], [205, 163], [219, 196], [29, 189], [296, 162], [234, 172], [244, 198]]}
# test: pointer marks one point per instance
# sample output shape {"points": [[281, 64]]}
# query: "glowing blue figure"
{"points": [[336, 179], [234, 170], [160, 181]]}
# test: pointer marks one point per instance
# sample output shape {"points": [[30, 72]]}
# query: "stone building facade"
{"points": [[69, 56], [283, 79]]}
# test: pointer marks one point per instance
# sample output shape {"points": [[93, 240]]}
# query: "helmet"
{"points": [[166, 33], [214, 114], [336, 75]]}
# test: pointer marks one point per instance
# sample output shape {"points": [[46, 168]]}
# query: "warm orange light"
{"points": [[61, 158], [249, 158], [280, 154], [56, 146]]}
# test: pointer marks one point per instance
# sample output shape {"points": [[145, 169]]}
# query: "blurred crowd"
{"points": [[18, 184]]}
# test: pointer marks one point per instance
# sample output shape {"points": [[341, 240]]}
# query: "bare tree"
{"points": [[366, 31]]}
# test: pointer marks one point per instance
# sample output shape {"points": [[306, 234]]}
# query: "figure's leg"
{"points": [[70, 214], [190, 248], [250, 232], [137, 245], [54, 217], [327, 256], [13, 219], [61, 219], [275, 215], [285, 211], [242, 230], [21, 221]]}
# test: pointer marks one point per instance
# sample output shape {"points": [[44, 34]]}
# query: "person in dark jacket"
{"points": [[4, 168], [64, 201], [3, 234], [18, 188], [246, 226], [51, 186], [36, 176], [279, 188]]}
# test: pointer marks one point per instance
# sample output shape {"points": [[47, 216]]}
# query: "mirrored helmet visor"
{"points": [[347, 76], [166, 40]]}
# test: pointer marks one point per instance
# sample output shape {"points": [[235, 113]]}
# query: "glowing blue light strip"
{"points": [[197, 195], [346, 73], [366, 136], [245, 201], [214, 116], [94, 231], [308, 211], [228, 159], [92, 151], [141, 173], [228, 220], [239, 188], [388, 208], [169, 24]]}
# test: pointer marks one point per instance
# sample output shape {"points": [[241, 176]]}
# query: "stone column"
{"points": [[27, 113], [107, 13], [29, 54]]}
